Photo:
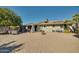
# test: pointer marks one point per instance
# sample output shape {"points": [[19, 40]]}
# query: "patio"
{"points": [[36, 42]]}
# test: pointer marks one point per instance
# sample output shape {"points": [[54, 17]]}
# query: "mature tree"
{"points": [[8, 17], [76, 18]]}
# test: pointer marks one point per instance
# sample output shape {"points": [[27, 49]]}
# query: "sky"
{"points": [[33, 14]]}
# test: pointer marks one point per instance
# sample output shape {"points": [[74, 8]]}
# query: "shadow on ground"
{"points": [[6, 48], [77, 35]]}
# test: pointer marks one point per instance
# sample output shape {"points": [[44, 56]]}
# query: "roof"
{"points": [[50, 23], [54, 23]]}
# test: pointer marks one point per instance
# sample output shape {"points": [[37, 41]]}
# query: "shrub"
{"points": [[66, 31], [14, 27]]}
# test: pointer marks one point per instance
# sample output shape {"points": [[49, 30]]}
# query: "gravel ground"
{"points": [[38, 43]]}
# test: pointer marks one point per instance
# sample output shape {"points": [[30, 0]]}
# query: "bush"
{"points": [[66, 31], [78, 30], [14, 27]]}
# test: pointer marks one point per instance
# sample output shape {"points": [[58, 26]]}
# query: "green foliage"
{"points": [[8, 17], [76, 18], [66, 31], [77, 30], [14, 27]]}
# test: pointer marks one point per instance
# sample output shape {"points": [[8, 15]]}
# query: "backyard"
{"points": [[36, 42]]}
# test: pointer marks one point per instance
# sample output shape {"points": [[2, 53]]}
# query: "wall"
{"points": [[52, 28]]}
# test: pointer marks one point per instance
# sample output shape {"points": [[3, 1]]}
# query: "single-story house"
{"points": [[49, 26]]}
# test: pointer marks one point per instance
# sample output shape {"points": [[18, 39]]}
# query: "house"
{"points": [[49, 26]]}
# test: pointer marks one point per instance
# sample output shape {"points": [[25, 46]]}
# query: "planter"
{"points": [[43, 33]]}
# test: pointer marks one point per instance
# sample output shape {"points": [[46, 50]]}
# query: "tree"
{"points": [[76, 21], [9, 18], [76, 18]]}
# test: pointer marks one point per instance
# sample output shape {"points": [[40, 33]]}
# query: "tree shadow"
{"points": [[5, 48], [77, 35]]}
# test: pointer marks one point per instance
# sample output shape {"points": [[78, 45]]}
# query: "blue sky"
{"points": [[32, 14]]}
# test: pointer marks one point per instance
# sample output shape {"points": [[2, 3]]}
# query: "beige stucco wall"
{"points": [[51, 28]]}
